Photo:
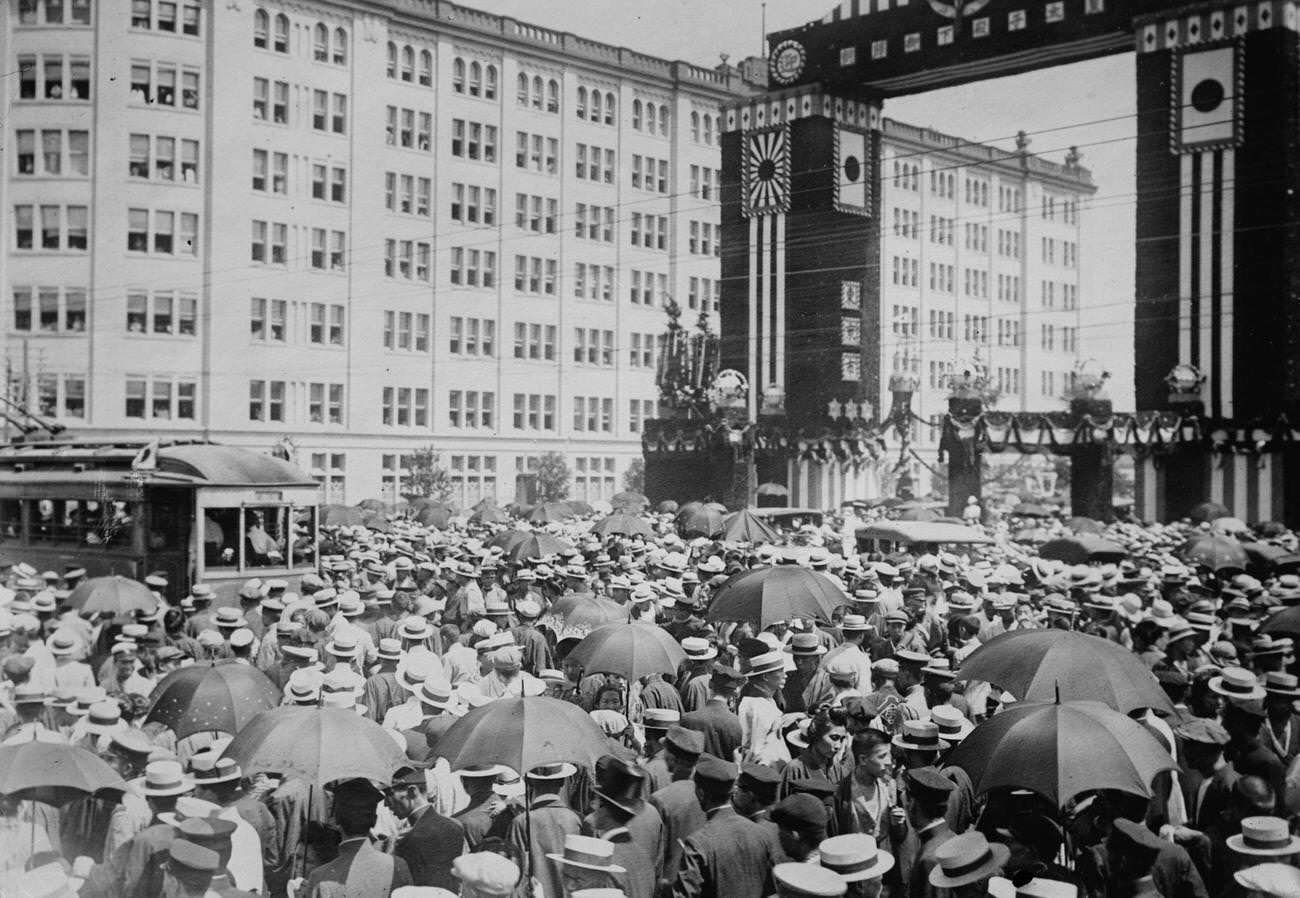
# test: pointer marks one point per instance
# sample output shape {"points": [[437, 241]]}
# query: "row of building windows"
{"points": [[1066, 207], [285, 321], [539, 214], [408, 260], [271, 101], [279, 401], [69, 12], [1069, 295], [270, 245], [473, 140], [57, 76], [942, 230], [474, 79], [410, 129], [1069, 338], [402, 65], [409, 332], [56, 152], [51, 227], [537, 93], [328, 45]]}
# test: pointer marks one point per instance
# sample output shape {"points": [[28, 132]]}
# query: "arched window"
{"points": [[582, 101], [595, 106], [340, 46], [521, 90], [695, 127], [458, 75], [426, 68], [649, 118], [636, 115], [609, 108], [490, 83], [539, 89], [708, 129], [281, 33], [320, 43], [475, 79], [552, 96], [408, 63], [261, 25], [663, 120], [392, 60]]}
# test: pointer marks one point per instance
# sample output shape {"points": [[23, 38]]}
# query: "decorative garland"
{"points": [[852, 442]]}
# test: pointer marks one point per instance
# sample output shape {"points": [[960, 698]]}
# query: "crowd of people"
{"points": [[805, 758]]}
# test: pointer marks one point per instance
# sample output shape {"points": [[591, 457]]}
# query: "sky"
{"points": [[1089, 105]]}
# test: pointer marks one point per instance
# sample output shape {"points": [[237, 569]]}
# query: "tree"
{"points": [[552, 477], [426, 477], [634, 476]]}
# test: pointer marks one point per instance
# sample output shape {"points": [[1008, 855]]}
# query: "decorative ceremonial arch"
{"points": [[1218, 198]]}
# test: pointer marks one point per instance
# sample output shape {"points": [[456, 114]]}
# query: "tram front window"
{"points": [[258, 536]]}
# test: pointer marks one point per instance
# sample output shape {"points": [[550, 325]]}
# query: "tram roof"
{"points": [[194, 462]]}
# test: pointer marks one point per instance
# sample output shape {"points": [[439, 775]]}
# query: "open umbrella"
{"points": [[549, 513], [918, 514], [667, 506], [1286, 622], [1060, 751], [536, 545], [1038, 665], [1081, 549], [578, 506], [491, 514], [437, 516], [320, 745], [1032, 536], [55, 773], [523, 733], [1217, 553], [745, 526], [1230, 526], [218, 696], [379, 524], [372, 505], [698, 520], [341, 516], [631, 650], [630, 500], [577, 615], [620, 523], [771, 489], [1208, 511], [112, 595], [1263, 556], [771, 594]]}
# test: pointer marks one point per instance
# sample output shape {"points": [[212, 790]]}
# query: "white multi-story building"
{"points": [[980, 251], [367, 227]]}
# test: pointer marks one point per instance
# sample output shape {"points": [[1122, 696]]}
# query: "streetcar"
{"points": [[195, 511]]}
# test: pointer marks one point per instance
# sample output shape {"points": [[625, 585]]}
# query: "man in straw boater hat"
{"points": [[1243, 718], [541, 830], [760, 717]]}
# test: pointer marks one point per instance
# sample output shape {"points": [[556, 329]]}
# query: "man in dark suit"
{"points": [[676, 803], [1281, 732], [716, 720], [928, 791], [358, 864], [1246, 750], [1207, 778], [476, 817], [431, 841], [730, 855]]}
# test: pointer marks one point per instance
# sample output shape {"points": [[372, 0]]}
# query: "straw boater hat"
{"points": [[166, 778], [1272, 879], [951, 723], [920, 735], [1264, 837], [768, 662], [698, 648], [589, 854], [855, 857], [1237, 683], [967, 858]]}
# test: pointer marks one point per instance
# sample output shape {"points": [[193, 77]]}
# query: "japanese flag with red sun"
{"points": [[1207, 108], [853, 172]]}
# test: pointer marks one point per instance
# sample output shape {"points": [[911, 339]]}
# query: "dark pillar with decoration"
{"points": [[965, 457], [1092, 465]]}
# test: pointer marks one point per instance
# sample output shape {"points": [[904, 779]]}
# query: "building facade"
{"points": [[361, 228], [979, 270]]}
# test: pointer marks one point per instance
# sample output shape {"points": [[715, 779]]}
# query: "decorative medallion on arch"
{"points": [[767, 171]]}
